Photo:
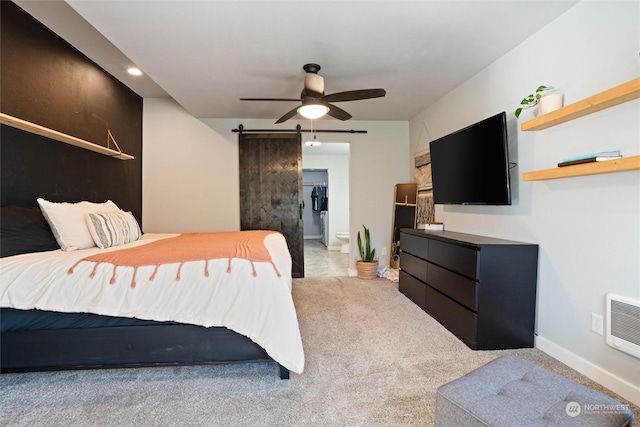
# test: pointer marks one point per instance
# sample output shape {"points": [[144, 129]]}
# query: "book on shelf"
{"points": [[588, 160], [612, 153]]}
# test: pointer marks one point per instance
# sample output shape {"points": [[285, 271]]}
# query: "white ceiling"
{"points": [[208, 54]]}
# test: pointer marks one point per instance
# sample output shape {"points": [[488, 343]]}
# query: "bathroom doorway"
{"points": [[325, 182]]}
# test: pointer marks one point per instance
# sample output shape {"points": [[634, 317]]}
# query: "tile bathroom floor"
{"points": [[320, 262]]}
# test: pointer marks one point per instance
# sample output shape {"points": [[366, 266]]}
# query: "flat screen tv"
{"points": [[471, 166]]}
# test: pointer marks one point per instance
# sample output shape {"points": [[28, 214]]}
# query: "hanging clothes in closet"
{"points": [[314, 198], [324, 200], [319, 199]]}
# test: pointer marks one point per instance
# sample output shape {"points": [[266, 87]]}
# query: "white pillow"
{"points": [[113, 228], [68, 221]]}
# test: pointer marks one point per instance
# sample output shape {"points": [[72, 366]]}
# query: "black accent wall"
{"points": [[47, 81]]}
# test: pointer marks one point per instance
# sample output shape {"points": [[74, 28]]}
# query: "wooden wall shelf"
{"points": [[600, 101], [15, 122], [617, 95], [617, 165]]}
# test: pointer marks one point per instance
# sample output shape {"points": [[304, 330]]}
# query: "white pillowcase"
{"points": [[113, 228], [68, 221]]}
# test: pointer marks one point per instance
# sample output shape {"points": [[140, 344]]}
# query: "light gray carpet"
{"points": [[373, 359]]}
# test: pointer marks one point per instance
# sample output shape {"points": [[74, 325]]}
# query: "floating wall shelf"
{"points": [[15, 122], [608, 166], [609, 98]]}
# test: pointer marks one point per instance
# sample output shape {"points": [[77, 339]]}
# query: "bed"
{"points": [[96, 308]]}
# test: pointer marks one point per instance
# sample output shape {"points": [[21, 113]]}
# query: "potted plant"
{"points": [[530, 100], [367, 266], [548, 101]]}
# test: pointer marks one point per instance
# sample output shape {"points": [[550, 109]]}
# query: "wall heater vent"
{"points": [[623, 324]]}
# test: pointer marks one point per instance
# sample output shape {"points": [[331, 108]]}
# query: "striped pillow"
{"points": [[113, 228]]}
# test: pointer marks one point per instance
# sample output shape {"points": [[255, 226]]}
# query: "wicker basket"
{"points": [[367, 270], [394, 262]]}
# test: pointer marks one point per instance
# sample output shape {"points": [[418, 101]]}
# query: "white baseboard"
{"points": [[588, 369], [352, 272], [312, 237]]}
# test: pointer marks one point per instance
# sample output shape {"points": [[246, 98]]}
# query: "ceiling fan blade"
{"points": [[288, 115], [354, 95], [338, 113], [271, 99], [309, 94]]}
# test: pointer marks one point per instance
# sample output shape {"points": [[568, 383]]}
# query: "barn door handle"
{"points": [[300, 210]]}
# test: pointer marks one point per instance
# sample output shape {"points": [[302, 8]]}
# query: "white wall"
{"points": [[189, 174], [588, 228], [338, 174], [190, 171]]}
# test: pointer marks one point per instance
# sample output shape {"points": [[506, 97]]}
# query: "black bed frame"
{"points": [[42, 346], [126, 347]]}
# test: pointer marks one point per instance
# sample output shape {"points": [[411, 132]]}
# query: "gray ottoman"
{"points": [[512, 392]]}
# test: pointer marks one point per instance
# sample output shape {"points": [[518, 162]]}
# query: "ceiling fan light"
{"points": [[313, 111]]}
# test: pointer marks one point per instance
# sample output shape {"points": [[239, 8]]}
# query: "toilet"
{"points": [[343, 236]]}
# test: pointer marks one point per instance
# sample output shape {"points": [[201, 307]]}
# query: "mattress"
{"points": [[247, 297]]}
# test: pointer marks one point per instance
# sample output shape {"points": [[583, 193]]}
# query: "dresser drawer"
{"points": [[457, 287], [414, 245], [414, 266], [413, 289], [457, 319], [454, 257]]}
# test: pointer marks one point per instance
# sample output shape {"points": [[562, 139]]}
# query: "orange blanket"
{"points": [[187, 247]]}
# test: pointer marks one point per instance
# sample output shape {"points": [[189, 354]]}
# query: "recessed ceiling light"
{"points": [[134, 71]]}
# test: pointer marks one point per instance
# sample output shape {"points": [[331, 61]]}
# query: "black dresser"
{"points": [[481, 289]]}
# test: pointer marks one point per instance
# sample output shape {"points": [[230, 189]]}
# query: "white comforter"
{"points": [[259, 307]]}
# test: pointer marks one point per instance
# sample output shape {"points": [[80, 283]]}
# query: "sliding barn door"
{"points": [[271, 189]]}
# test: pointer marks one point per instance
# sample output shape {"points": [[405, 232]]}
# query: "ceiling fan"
{"points": [[315, 104]]}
